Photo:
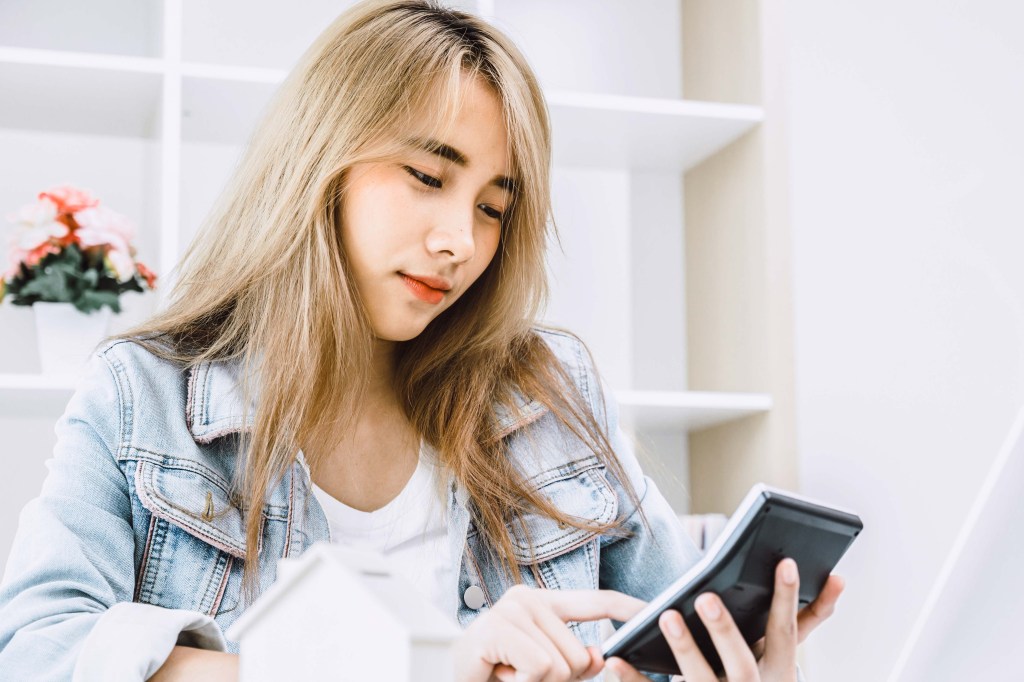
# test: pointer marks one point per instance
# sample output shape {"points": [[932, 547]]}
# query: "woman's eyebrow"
{"points": [[449, 153]]}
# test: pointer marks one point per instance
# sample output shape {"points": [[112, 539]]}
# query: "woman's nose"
{"points": [[452, 233]]}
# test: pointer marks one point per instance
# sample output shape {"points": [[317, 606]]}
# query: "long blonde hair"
{"points": [[266, 280]]}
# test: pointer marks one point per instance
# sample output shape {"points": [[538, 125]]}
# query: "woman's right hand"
{"points": [[524, 636]]}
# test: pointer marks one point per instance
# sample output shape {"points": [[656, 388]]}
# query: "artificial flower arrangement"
{"points": [[66, 248]]}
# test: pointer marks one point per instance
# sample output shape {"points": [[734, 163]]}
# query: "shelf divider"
{"points": [[688, 410], [80, 60], [171, 141]]}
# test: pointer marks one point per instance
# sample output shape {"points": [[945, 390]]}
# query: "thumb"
{"points": [[596, 663]]}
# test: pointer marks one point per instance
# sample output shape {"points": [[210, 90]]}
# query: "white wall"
{"points": [[907, 163]]}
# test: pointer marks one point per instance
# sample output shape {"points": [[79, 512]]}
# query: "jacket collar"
{"points": [[214, 405]]}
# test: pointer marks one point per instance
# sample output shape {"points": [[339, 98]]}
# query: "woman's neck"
{"points": [[374, 460], [381, 387]]}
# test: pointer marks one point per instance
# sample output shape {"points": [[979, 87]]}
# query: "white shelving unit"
{"points": [[166, 96]]}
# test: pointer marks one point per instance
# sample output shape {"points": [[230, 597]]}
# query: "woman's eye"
{"points": [[427, 180], [492, 212]]}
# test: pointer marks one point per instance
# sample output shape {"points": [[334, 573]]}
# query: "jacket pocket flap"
{"points": [[585, 495], [192, 497]]}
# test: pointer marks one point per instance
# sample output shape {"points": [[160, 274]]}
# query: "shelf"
{"points": [[80, 60], [223, 103], [688, 410], [90, 94], [34, 395], [225, 72], [38, 382], [613, 131]]}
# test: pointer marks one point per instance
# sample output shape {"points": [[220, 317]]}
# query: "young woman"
{"points": [[350, 355]]}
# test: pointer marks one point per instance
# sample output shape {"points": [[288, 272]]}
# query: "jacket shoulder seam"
{"points": [[583, 368], [122, 385]]}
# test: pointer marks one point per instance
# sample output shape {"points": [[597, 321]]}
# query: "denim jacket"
{"points": [[135, 540]]}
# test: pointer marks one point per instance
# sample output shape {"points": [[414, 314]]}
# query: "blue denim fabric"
{"points": [[136, 508]]}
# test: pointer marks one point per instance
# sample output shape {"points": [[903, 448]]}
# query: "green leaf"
{"points": [[134, 284], [50, 285], [94, 300]]}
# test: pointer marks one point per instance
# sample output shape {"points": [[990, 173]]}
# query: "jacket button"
{"points": [[474, 597]]}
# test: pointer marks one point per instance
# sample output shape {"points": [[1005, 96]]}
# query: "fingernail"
{"points": [[709, 607], [789, 572], [671, 625]]}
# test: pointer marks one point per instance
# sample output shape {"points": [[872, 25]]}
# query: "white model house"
{"points": [[342, 614]]}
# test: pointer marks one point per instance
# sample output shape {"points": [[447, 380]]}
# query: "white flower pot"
{"points": [[67, 337]]}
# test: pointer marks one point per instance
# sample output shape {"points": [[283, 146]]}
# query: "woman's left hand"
{"points": [[787, 627]]}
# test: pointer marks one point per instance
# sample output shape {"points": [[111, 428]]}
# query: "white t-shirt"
{"points": [[411, 531]]}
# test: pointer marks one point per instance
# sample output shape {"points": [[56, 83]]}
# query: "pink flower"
{"points": [[69, 199], [101, 226], [36, 224], [120, 263], [30, 257], [14, 259]]}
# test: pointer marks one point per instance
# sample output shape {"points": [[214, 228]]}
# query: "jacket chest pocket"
{"points": [[195, 540], [581, 492], [549, 553]]}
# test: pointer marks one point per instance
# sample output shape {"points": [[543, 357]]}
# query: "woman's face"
{"points": [[419, 230]]}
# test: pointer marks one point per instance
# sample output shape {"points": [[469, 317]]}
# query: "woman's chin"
{"points": [[399, 330]]}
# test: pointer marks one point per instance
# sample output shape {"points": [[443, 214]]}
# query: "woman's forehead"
{"points": [[445, 101], [470, 130]]}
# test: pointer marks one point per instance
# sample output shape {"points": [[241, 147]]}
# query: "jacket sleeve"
{"points": [[73, 556]]}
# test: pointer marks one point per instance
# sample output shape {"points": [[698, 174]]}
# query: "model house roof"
{"points": [[356, 569]]}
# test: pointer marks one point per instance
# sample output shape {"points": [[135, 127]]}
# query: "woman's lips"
{"points": [[424, 291]]}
